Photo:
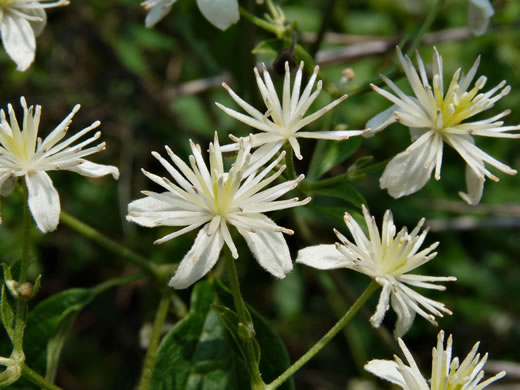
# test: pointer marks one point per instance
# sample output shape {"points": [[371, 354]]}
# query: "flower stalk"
{"points": [[371, 288], [151, 353], [37, 379]]}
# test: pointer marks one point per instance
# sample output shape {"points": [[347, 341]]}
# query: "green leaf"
{"points": [[275, 359], [56, 343], [47, 319], [342, 190], [329, 154], [197, 353], [7, 315]]}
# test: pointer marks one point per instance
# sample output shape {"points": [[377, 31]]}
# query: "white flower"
{"points": [[479, 13], [388, 258], [447, 373], [212, 198], [282, 122], [20, 22], [220, 13], [435, 118], [23, 153]]}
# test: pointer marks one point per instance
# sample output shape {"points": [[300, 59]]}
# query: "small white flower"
{"points": [[387, 257], [283, 121], [212, 198], [447, 373], [220, 13], [20, 22], [479, 13], [435, 118], [23, 153]]}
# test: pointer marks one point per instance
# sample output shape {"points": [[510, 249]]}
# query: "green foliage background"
{"points": [[99, 54]]}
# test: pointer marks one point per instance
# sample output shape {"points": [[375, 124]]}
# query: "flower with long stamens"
{"points": [[283, 121], [436, 117], [23, 153], [448, 373], [387, 257], [21, 21], [211, 198]]}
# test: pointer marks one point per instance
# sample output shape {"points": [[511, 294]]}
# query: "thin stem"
{"points": [[289, 161], [37, 379], [323, 28], [119, 281], [430, 18], [244, 318], [111, 245], [151, 353], [372, 287], [276, 30], [21, 304]]}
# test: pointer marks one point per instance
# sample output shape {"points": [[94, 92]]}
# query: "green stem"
{"points": [[276, 30], [151, 353], [289, 161], [21, 305], [430, 18], [37, 379], [245, 318], [119, 281], [111, 245], [372, 287]]}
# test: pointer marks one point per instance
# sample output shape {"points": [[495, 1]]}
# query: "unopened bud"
{"points": [[25, 290]]}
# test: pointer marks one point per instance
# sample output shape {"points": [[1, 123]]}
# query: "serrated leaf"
{"points": [[329, 154], [342, 190], [274, 357], [7, 315], [46, 318], [197, 353]]}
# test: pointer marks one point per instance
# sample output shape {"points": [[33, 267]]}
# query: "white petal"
{"points": [[90, 169], [220, 13], [44, 201], [475, 187], [199, 260], [381, 121], [158, 12], [405, 173], [37, 25], [269, 249], [322, 257], [18, 39], [386, 369], [479, 13], [405, 317]]}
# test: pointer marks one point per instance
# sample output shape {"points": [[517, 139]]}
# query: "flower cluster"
{"points": [[387, 257], [213, 198], [434, 118], [23, 153], [447, 372]]}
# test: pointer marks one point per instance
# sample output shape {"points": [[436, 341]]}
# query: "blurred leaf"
{"points": [[342, 190], [7, 315], [196, 353], [329, 154], [274, 359], [288, 295], [56, 343], [47, 318]]}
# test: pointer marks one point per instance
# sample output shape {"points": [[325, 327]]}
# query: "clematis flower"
{"points": [[282, 122], [447, 372], [23, 153], [20, 22], [211, 198], [387, 257], [436, 117], [220, 13]]}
